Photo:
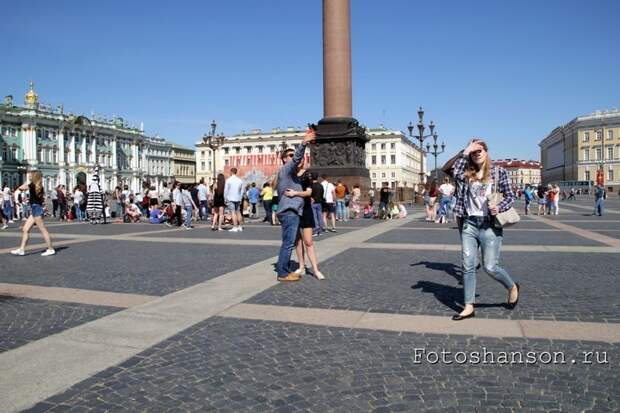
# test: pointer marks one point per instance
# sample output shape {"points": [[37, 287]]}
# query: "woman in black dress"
{"points": [[306, 226], [218, 203]]}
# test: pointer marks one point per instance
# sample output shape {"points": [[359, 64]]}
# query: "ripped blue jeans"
{"points": [[479, 231]]}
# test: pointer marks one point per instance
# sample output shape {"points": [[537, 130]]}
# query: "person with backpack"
{"points": [[599, 195]]}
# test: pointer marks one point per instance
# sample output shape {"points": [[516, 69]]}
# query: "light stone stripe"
{"points": [[591, 208], [613, 242], [43, 246], [506, 229], [457, 247], [427, 324], [30, 374], [74, 295]]}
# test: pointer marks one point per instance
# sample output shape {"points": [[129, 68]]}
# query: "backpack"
{"points": [[528, 195]]}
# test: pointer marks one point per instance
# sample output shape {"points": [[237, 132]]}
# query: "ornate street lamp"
{"points": [[421, 136], [213, 142], [435, 152]]}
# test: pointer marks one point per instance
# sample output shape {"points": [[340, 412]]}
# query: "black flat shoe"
{"points": [[511, 306], [459, 317]]}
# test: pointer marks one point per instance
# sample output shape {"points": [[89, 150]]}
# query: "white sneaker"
{"points": [[48, 252], [239, 229], [299, 271], [18, 251], [319, 276], [10, 221], [5, 226], [233, 229]]}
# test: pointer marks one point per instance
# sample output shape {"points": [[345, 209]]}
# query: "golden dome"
{"points": [[31, 97]]}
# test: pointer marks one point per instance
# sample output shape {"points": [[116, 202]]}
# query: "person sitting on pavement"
{"points": [[133, 212], [157, 216]]}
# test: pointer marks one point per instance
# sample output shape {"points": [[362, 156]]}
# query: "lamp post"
{"points": [[421, 136], [213, 142], [435, 152]]}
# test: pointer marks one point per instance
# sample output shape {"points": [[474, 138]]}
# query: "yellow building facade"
{"points": [[577, 150]]}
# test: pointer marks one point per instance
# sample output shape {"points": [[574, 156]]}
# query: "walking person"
{"points": [[355, 201], [177, 197], [542, 199], [54, 199], [37, 197], [267, 196], [233, 194], [189, 206], [317, 201], [329, 205], [217, 212], [253, 197], [555, 190], [478, 180], [78, 198], [446, 190], [7, 202], [599, 196], [203, 200], [341, 192], [304, 241], [290, 206], [62, 202], [433, 192]]}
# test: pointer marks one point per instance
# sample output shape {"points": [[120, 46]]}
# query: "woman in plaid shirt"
{"points": [[476, 178]]}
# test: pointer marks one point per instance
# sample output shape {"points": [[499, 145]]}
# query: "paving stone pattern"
{"points": [[231, 365], [554, 286], [403, 236], [131, 267], [24, 320]]}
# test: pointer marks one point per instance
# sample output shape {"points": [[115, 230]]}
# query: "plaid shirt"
{"points": [[458, 173]]}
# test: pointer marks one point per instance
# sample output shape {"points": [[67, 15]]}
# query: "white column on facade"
{"points": [[94, 150], [83, 149], [114, 149], [30, 144], [61, 148], [72, 150]]}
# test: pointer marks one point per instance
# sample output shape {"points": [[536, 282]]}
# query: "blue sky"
{"points": [[506, 71]]}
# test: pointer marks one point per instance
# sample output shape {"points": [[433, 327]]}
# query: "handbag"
{"points": [[508, 217]]}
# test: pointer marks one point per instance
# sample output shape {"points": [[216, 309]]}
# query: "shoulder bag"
{"points": [[508, 217]]}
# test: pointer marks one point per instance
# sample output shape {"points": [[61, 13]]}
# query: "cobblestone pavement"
{"points": [[237, 365], [427, 282], [24, 320], [131, 267], [229, 364]]}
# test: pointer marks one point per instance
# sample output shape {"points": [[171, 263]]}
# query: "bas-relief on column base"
{"points": [[339, 151]]}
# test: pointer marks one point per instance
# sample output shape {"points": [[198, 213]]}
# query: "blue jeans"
{"points": [[479, 231], [204, 210], [8, 210], [188, 216], [444, 206], [78, 213], [340, 209], [598, 206], [289, 221], [317, 213]]}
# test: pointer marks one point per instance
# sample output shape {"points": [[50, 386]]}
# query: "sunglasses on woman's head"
{"points": [[478, 152]]}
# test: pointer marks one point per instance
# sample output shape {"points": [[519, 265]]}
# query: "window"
{"points": [[225, 162], [610, 175], [393, 145], [599, 153], [374, 174], [260, 149], [373, 160], [226, 151], [373, 146], [610, 135], [586, 136], [586, 176], [586, 154], [202, 165], [392, 159], [382, 159], [383, 146], [393, 174], [237, 149], [382, 174], [610, 152], [599, 135]]}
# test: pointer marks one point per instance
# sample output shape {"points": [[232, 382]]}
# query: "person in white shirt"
{"points": [[177, 198], [164, 194], [233, 194], [329, 207], [153, 196], [78, 199], [203, 200], [446, 190]]}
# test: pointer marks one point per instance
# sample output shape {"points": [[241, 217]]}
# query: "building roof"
{"points": [[517, 163]]}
